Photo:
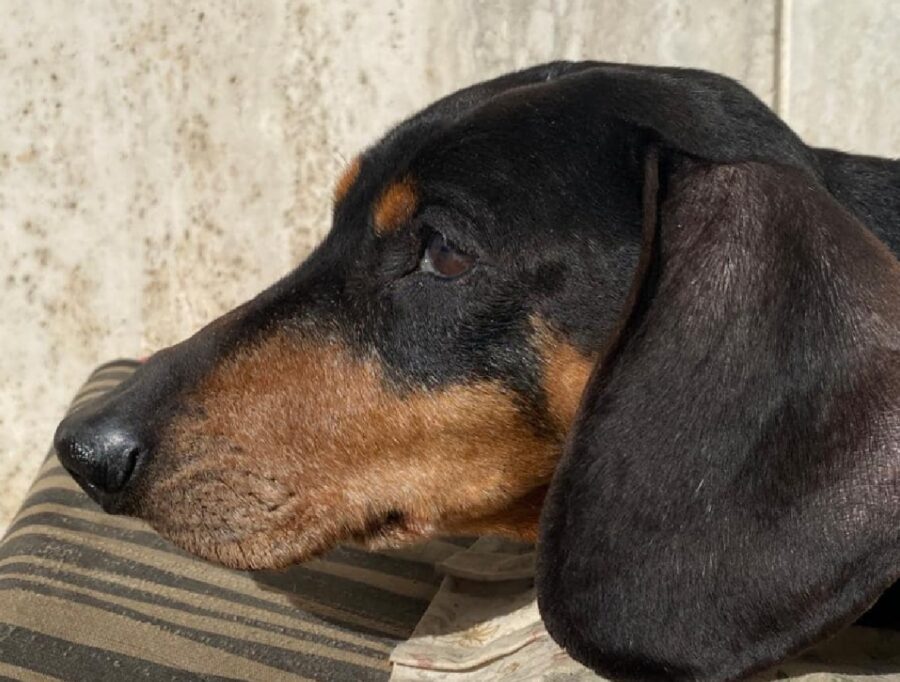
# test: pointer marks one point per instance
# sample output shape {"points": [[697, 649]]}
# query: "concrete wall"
{"points": [[162, 161]]}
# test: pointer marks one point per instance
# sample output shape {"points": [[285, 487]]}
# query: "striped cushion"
{"points": [[84, 595]]}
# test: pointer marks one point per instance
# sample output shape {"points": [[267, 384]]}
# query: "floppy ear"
{"points": [[730, 491]]}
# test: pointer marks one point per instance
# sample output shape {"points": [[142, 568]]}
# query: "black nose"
{"points": [[101, 451]]}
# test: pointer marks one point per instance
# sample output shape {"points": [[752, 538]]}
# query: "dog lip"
{"points": [[245, 552], [393, 518], [382, 526]]}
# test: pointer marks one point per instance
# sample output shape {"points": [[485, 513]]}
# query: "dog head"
{"points": [[650, 244], [418, 373]]}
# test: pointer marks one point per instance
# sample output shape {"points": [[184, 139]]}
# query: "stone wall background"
{"points": [[162, 161]]}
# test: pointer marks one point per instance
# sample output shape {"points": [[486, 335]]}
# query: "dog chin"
{"points": [[274, 549], [261, 550]]}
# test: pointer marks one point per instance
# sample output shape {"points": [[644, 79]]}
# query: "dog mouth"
{"points": [[276, 548], [262, 549], [254, 529], [391, 529], [384, 524]]}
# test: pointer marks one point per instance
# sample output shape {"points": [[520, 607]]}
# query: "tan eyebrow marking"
{"points": [[346, 180], [395, 206]]}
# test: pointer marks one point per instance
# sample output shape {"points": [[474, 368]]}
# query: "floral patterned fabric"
{"points": [[483, 624]]}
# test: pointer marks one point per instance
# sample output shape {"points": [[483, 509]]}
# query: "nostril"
{"points": [[119, 475]]}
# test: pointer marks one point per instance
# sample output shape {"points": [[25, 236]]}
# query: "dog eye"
{"points": [[443, 259]]}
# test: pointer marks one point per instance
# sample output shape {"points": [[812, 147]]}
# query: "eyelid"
{"points": [[447, 221]]}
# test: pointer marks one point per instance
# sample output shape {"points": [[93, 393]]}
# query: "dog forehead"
{"points": [[473, 125], [518, 158]]}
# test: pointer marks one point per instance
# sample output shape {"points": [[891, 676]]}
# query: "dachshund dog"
{"points": [[623, 311]]}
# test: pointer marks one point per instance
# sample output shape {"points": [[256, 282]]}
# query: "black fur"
{"points": [[541, 175], [731, 490]]}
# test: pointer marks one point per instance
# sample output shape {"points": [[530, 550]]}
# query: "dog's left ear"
{"points": [[730, 492]]}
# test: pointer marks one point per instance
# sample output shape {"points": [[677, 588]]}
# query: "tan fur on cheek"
{"points": [[302, 445], [519, 519], [566, 372]]}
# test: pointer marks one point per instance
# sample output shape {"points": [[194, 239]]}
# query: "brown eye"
{"points": [[443, 259]]}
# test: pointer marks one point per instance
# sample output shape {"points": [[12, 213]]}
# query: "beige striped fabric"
{"points": [[87, 596]]}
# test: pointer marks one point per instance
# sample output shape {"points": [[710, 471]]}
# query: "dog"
{"points": [[623, 311]]}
